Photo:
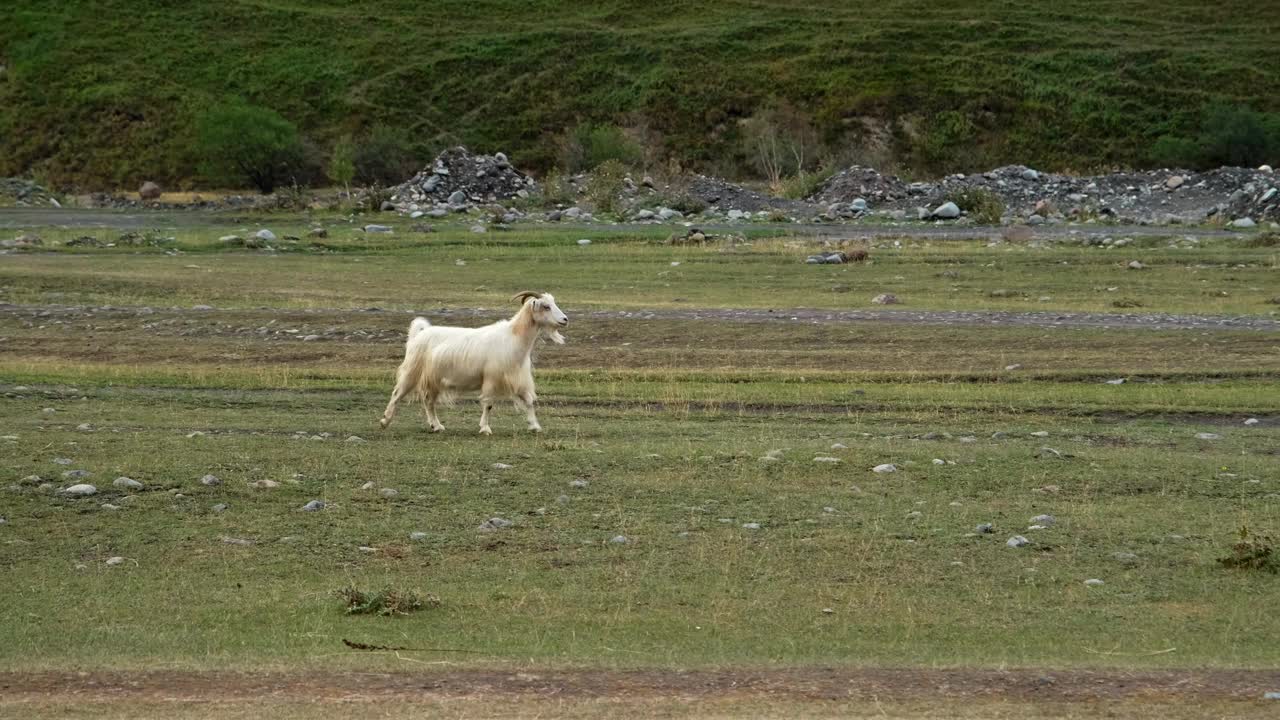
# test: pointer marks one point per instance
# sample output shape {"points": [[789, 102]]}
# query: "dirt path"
{"points": [[800, 684], [22, 218], [1136, 321]]}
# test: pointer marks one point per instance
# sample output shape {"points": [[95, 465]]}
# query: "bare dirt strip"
{"points": [[795, 684], [1146, 321]]}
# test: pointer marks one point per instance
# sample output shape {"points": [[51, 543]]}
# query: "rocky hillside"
{"points": [[106, 93]]}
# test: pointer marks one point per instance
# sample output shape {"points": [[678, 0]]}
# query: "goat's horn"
{"points": [[523, 296]]}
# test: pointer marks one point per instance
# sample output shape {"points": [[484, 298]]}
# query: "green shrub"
{"points": [[590, 145], [983, 206], [240, 143], [1176, 152], [606, 185], [342, 162], [386, 156], [1239, 136], [803, 184]]}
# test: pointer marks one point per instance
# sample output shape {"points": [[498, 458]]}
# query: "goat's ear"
{"points": [[523, 296]]}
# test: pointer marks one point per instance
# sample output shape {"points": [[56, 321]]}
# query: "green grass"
{"points": [[99, 94], [666, 420], [631, 269]]}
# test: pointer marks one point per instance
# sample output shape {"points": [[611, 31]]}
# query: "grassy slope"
{"points": [[560, 592], [106, 92]]}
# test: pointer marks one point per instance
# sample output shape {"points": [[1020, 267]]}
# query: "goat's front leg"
{"points": [[525, 401]]}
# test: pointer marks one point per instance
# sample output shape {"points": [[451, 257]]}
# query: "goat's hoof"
{"points": [[384, 423], [535, 428], [437, 428], [486, 431]]}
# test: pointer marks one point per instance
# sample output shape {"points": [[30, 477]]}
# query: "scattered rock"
{"points": [[578, 483], [495, 523], [236, 541], [388, 493], [1208, 436], [417, 536], [265, 235], [584, 241], [619, 540], [220, 507], [885, 468], [313, 506], [1017, 541], [1243, 224], [356, 439], [946, 211], [81, 490], [1093, 582], [378, 229], [264, 484], [114, 561], [62, 461], [210, 480], [1136, 265], [501, 466], [149, 191], [1251, 421], [826, 459], [985, 529], [751, 526], [1045, 520], [127, 483], [76, 474], [885, 299]]}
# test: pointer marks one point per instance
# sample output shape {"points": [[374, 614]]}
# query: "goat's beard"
{"points": [[554, 336]]}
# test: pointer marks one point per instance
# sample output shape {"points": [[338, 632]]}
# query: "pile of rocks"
{"points": [[457, 178], [24, 193], [1153, 197]]}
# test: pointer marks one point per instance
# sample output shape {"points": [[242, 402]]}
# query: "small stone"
{"points": [[113, 561], [1093, 582], [619, 540], [826, 459], [109, 506], [1045, 520], [885, 468], [495, 523], [76, 474], [84, 427], [479, 229], [1015, 366], [236, 541], [149, 191], [313, 506], [939, 461], [127, 483], [1125, 557], [195, 434], [827, 611], [1136, 265], [1117, 381], [1040, 434], [356, 439], [1243, 224], [62, 461], [457, 198], [220, 507], [265, 234], [584, 241], [377, 229], [1030, 174], [1251, 421], [367, 549], [1017, 541], [501, 466], [1271, 695], [578, 483], [417, 536], [264, 484], [367, 486], [210, 480], [751, 526], [388, 493], [839, 446], [885, 299], [1202, 436]]}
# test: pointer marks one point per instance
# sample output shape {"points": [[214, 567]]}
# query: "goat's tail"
{"points": [[418, 325]]}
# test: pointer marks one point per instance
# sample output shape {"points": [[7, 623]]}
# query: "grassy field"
{"points": [[99, 94], [656, 430]]}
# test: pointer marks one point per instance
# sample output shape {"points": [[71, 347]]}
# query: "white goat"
{"points": [[442, 362]]}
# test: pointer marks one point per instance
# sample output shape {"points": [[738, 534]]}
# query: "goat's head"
{"points": [[545, 312]]}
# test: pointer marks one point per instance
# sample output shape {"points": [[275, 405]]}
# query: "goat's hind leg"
{"points": [[429, 402]]}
